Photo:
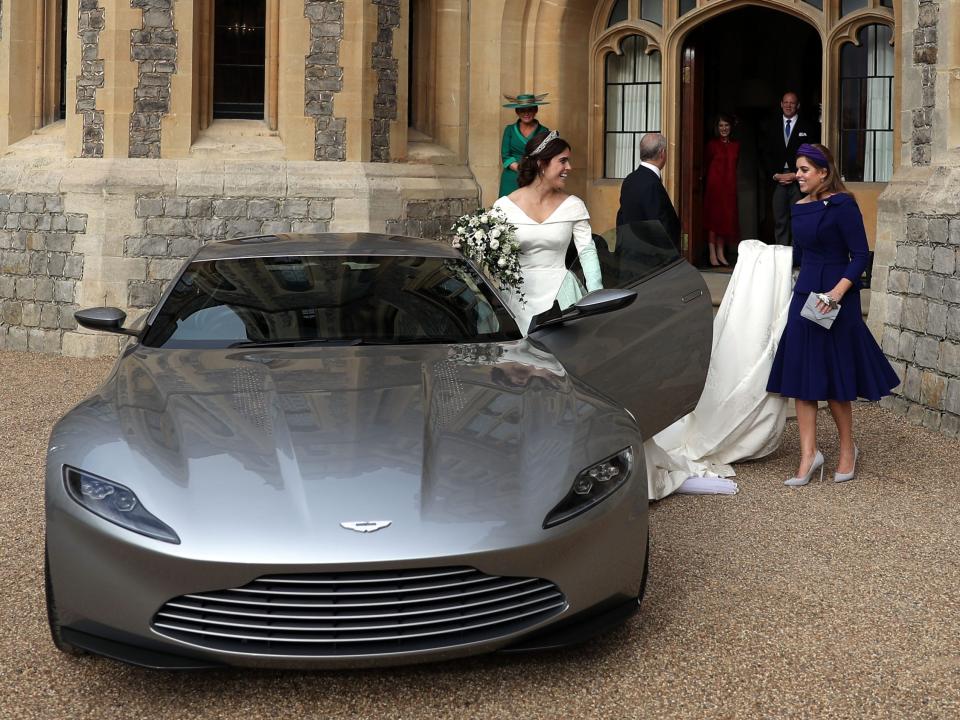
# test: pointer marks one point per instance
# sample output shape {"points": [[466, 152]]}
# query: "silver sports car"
{"points": [[340, 450]]}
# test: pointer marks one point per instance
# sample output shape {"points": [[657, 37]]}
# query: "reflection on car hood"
{"points": [[286, 444]]}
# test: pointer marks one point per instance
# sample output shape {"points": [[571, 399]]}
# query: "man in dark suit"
{"points": [[642, 195], [780, 144]]}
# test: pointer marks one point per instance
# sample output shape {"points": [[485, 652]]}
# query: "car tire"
{"points": [[52, 617], [646, 568]]}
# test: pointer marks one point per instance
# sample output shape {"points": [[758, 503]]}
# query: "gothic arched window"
{"points": [[866, 106], [632, 104]]}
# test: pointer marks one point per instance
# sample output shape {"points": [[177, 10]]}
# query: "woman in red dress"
{"points": [[720, 214]]}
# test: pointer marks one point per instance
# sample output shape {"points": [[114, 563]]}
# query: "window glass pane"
{"points": [[652, 10], [648, 66], [620, 67], [239, 59], [618, 13], [653, 108], [886, 3], [818, 4], [633, 104], [614, 107], [619, 155], [351, 300], [635, 108], [848, 6], [866, 102], [878, 103], [687, 5]]}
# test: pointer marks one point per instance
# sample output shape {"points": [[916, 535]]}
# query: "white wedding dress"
{"points": [[736, 418], [543, 251]]}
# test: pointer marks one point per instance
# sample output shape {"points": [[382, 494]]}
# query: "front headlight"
{"points": [[116, 503], [592, 486]]}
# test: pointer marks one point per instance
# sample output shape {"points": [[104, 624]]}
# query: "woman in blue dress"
{"points": [[516, 135], [842, 363]]}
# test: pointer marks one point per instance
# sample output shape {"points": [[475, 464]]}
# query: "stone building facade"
{"points": [[116, 160]]}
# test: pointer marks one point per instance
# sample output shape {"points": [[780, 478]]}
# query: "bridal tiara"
{"points": [[546, 141]]}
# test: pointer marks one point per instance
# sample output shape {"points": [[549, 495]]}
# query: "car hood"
{"points": [[458, 447]]}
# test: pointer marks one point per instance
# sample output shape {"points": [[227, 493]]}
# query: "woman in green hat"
{"points": [[516, 135]]}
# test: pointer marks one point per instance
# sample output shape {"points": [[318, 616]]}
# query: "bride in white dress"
{"points": [[546, 217]]}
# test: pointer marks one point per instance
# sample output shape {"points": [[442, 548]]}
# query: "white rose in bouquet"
{"points": [[489, 240]]}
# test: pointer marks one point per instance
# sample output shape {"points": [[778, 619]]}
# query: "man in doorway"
{"points": [[780, 150], [642, 195]]}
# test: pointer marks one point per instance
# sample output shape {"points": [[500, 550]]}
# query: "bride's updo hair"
{"points": [[530, 164]]}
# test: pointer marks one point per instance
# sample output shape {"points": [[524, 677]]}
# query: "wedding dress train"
{"points": [[736, 418]]}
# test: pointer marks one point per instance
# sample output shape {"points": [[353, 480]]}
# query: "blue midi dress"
{"points": [[844, 362]]}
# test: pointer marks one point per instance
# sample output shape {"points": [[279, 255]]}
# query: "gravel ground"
{"points": [[826, 601]]}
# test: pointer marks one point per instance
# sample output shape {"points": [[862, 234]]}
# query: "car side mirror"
{"points": [[108, 319], [595, 303]]}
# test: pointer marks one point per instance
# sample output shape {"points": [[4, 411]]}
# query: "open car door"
{"points": [[652, 355]]}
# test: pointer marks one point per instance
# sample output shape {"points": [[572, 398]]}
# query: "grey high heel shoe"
{"points": [[817, 464], [843, 477]]}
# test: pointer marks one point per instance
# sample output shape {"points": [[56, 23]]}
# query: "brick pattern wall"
{"points": [[39, 270], [154, 48], [925, 57], [385, 65], [431, 218], [324, 78], [90, 77], [175, 227], [922, 331]]}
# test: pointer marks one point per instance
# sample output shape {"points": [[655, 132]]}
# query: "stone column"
{"points": [[915, 305], [18, 51], [296, 129]]}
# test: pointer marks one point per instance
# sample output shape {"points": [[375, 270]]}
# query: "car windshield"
{"points": [[345, 300]]}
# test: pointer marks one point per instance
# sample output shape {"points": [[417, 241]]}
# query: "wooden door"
{"points": [[691, 154]]}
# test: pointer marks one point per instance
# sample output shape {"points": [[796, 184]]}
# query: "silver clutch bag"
{"points": [[810, 312]]}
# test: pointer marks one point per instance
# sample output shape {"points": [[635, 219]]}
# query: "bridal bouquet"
{"points": [[487, 238]]}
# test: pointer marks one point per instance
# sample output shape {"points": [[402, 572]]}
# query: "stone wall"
{"points": [[386, 67], [154, 48], [175, 227], [922, 331], [39, 270], [925, 57], [324, 78], [90, 77], [430, 219]]}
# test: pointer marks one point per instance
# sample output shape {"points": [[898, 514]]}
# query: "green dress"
{"points": [[511, 150]]}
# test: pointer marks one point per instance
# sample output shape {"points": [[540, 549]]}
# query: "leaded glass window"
{"points": [[632, 104], [818, 4], [849, 6], [687, 6], [866, 106], [618, 13], [652, 10]]}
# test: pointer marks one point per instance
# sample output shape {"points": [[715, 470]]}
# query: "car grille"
{"points": [[360, 613]]}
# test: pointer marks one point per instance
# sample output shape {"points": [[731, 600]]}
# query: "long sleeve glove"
{"points": [[589, 261]]}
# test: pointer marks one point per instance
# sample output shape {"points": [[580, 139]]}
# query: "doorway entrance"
{"points": [[239, 59], [740, 64]]}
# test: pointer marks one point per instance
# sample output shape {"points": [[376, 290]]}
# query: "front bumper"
{"points": [[109, 583]]}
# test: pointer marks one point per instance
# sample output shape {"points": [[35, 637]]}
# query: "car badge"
{"points": [[366, 526]]}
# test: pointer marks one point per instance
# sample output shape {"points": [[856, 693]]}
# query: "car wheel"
{"points": [[52, 617], [646, 568]]}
